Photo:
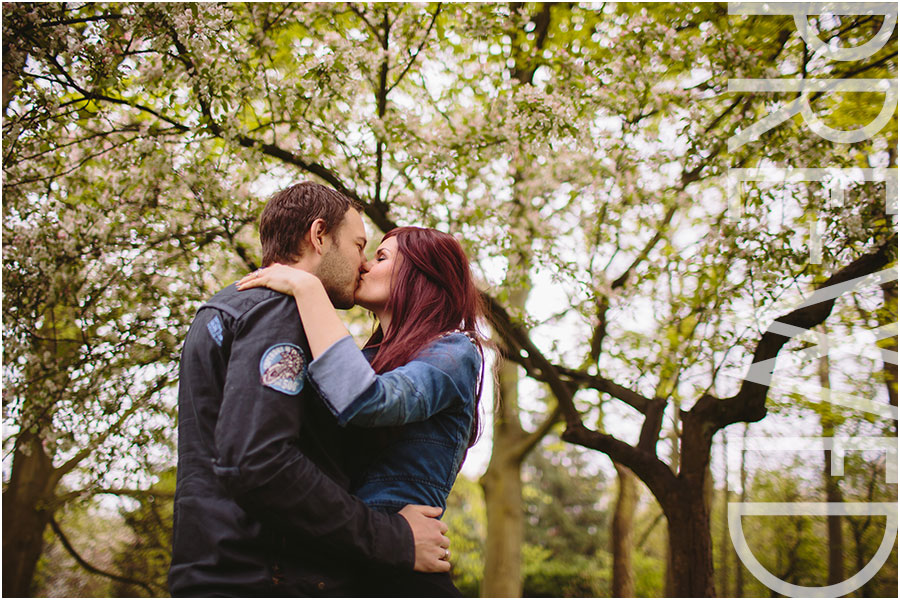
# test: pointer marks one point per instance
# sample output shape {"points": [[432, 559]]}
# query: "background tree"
{"points": [[466, 517], [150, 549], [796, 549], [567, 522], [723, 257]]}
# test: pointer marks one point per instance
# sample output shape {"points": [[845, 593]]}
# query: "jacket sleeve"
{"points": [[444, 373], [258, 460]]}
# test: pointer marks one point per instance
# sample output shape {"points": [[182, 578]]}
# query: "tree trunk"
{"points": [[674, 464], [26, 514], [505, 532], [832, 488], [739, 566], [859, 553], [687, 508], [888, 314], [623, 533], [502, 484], [502, 481], [690, 543], [724, 538], [859, 526], [670, 568]]}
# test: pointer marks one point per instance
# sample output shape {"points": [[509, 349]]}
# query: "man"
{"points": [[261, 506]]}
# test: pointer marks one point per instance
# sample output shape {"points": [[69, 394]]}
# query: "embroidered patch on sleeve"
{"points": [[215, 329], [283, 368]]}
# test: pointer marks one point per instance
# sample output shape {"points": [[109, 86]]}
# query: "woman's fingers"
{"points": [[257, 278], [254, 279], [281, 278]]}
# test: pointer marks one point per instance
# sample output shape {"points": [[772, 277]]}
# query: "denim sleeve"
{"points": [[444, 373]]}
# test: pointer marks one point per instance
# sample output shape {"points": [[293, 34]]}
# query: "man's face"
{"points": [[341, 262]]}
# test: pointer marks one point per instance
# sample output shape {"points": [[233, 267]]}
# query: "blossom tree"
{"points": [[582, 149]]}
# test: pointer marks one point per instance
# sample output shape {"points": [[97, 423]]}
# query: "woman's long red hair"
{"points": [[432, 292]]}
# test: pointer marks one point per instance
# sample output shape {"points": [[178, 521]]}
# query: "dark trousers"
{"points": [[381, 582]]}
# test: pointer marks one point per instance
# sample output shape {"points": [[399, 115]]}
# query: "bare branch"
{"points": [[652, 471], [534, 362], [532, 439], [644, 463], [749, 404], [91, 568], [602, 384], [85, 452], [419, 49]]}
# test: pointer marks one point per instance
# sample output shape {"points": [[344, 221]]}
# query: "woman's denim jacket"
{"points": [[432, 396]]}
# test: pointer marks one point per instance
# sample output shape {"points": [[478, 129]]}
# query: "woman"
{"points": [[424, 379]]}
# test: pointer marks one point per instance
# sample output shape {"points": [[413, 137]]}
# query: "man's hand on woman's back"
{"points": [[432, 546]]}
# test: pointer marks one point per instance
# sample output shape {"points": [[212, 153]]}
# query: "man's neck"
{"points": [[306, 263]]}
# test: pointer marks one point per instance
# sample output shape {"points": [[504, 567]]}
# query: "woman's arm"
{"points": [[320, 320], [447, 371], [443, 375]]}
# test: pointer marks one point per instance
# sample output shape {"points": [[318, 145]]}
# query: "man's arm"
{"points": [[260, 464]]}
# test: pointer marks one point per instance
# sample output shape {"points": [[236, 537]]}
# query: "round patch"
{"points": [[282, 368]]}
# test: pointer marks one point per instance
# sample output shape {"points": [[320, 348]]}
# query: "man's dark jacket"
{"points": [[261, 507]]}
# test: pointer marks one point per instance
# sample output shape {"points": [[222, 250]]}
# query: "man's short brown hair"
{"points": [[289, 214]]}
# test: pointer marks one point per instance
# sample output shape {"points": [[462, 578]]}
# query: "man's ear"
{"points": [[316, 236]]}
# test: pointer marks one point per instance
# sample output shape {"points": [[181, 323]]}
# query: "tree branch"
{"points": [[525, 73], [91, 568], [645, 464], [653, 420], [362, 17], [419, 49], [526, 445], [110, 16], [601, 384], [95, 96], [381, 108], [643, 539], [131, 493], [85, 452], [652, 471], [749, 404], [535, 363], [375, 211]]}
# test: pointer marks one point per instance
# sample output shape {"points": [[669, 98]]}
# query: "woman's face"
{"points": [[375, 283]]}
